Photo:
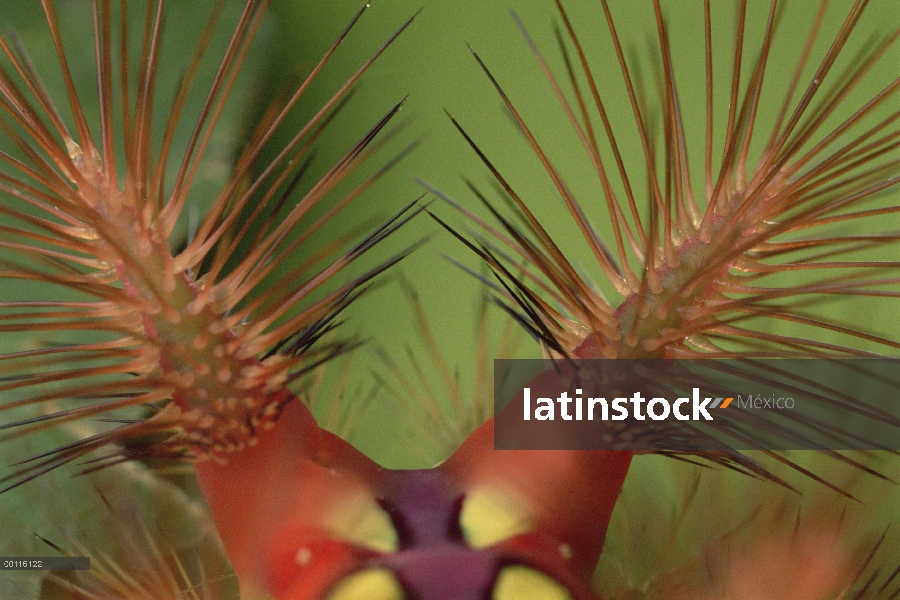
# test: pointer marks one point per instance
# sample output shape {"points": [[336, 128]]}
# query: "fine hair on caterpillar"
{"points": [[692, 260], [760, 241], [194, 326], [722, 219]]}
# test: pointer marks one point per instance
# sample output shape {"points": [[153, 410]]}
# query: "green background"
{"points": [[432, 65]]}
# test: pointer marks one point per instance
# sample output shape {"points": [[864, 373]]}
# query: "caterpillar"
{"points": [[195, 351]]}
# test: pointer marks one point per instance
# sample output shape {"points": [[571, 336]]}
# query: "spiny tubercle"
{"points": [[654, 321], [223, 393]]}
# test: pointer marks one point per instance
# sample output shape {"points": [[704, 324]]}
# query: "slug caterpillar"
{"points": [[195, 351]]}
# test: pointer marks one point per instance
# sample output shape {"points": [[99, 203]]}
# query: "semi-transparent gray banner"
{"points": [[691, 405]]}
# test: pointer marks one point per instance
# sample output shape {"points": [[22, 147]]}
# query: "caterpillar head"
{"points": [[304, 515]]}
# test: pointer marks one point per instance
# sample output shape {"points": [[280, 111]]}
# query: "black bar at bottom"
{"points": [[49, 563]]}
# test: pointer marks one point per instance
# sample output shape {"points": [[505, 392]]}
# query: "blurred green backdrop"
{"points": [[431, 64]]}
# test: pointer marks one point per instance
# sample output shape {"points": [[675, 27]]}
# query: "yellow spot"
{"points": [[273, 361], [491, 515], [199, 342], [245, 383], [252, 371], [362, 521], [304, 556], [371, 584], [84, 233], [196, 305], [652, 344], [186, 380], [519, 582], [274, 383], [73, 149], [216, 327], [653, 282]]}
